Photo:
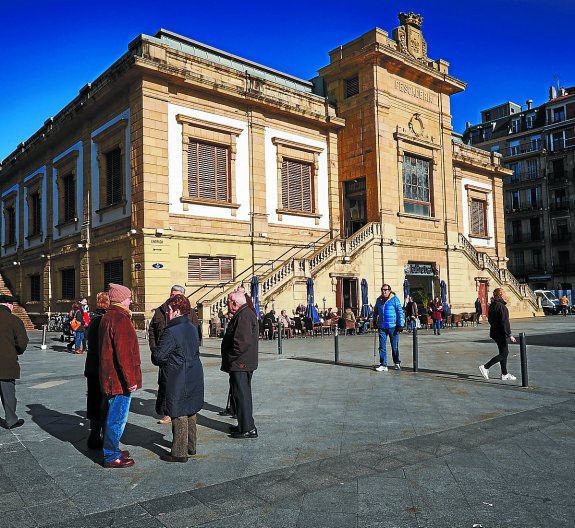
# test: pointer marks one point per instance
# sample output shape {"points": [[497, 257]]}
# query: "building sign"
{"points": [[415, 91], [419, 269], [137, 266], [157, 265]]}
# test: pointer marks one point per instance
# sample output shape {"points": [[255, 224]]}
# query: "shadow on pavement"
{"points": [[332, 362], [148, 408], [74, 429]]}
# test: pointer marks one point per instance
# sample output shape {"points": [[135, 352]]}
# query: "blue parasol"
{"points": [[443, 288], [311, 311], [365, 310], [406, 290], [254, 287]]}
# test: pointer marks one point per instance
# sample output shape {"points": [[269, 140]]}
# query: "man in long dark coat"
{"points": [[240, 359], [13, 342]]}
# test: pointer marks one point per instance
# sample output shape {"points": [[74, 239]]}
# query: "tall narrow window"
{"points": [[68, 198], [416, 192], [35, 288], [68, 279], [297, 186], [35, 214], [113, 272], [532, 169], [10, 218], [113, 176], [478, 218], [208, 171]]}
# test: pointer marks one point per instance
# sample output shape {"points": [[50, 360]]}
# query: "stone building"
{"points": [[185, 164], [538, 145]]}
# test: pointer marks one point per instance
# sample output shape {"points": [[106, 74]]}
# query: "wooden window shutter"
{"points": [[114, 176], [68, 278], [297, 186], [113, 272], [208, 171], [69, 198], [210, 269]]}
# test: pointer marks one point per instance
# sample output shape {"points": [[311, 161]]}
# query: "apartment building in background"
{"points": [[538, 146]]}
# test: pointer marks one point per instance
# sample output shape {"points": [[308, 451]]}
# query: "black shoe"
{"points": [[19, 423], [170, 458], [234, 428], [95, 442], [248, 434]]}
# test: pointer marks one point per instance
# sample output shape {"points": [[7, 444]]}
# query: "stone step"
{"points": [[19, 311]]}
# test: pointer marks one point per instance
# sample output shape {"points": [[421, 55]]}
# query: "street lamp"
{"points": [[274, 304], [324, 299]]}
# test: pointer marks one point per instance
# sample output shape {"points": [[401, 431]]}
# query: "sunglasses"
{"points": [[385, 289]]}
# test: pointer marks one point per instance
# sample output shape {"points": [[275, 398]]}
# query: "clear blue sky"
{"points": [[504, 49]]}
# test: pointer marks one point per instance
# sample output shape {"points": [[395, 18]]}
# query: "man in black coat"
{"points": [[13, 342], [240, 359], [498, 317]]}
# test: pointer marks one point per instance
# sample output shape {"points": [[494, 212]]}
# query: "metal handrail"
{"points": [[248, 271]]}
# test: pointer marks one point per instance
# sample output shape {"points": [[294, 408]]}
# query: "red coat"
{"points": [[120, 352]]}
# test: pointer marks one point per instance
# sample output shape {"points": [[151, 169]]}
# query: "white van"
{"points": [[549, 302]]}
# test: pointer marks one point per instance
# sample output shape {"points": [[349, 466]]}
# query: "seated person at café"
{"points": [[286, 322], [269, 321]]}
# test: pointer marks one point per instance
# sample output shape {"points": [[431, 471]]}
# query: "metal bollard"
{"points": [[336, 343], [44, 332], [523, 354], [415, 351], [280, 351]]}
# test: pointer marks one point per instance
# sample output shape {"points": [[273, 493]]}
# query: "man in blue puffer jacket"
{"points": [[388, 313]]}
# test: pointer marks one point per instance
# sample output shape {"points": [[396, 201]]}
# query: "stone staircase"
{"points": [[501, 275], [18, 310], [301, 267]]}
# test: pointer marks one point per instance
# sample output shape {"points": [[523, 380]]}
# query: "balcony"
{"points": [[559, 206], [564, 268], [515, 239], [520, 150], [523, 177], [561, 144], [561, 238]]}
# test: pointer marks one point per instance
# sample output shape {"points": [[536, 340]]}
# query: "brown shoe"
{"points": [[170, 458], [119, 463], [165, 420]]}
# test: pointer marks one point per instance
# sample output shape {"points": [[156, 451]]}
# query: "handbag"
{"points": [[74, 324]]}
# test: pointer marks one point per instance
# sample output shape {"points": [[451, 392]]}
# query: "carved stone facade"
{"points": [[377, 190]]}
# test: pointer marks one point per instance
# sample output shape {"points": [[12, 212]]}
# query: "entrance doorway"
{"points": [[347, 295], [354, 206], [423, 283]]}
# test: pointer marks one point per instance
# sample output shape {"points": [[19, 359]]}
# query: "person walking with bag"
{"points": [[178, 356], [500, 331], [389, 318]]}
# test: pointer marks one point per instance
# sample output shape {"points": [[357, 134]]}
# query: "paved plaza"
{"points": [[339, 445]]}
